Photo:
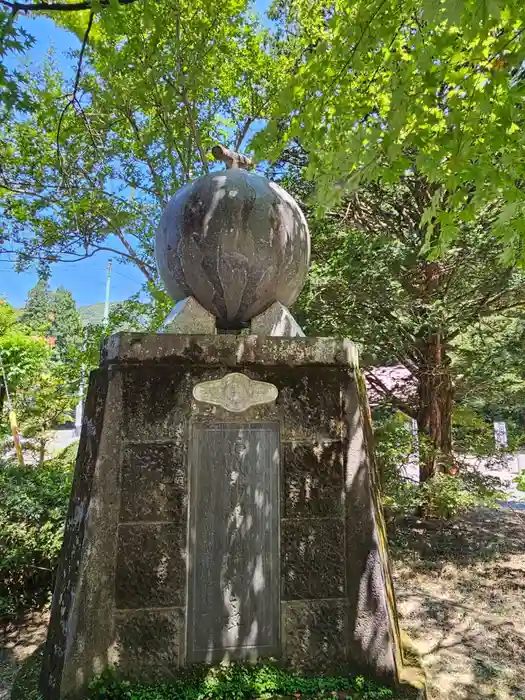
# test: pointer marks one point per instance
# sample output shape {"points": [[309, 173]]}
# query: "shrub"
{"points": [[32, 514], [520, 480], [445, 495], [237, 682]]}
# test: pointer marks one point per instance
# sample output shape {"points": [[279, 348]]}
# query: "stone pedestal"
{"points": [[224, 506]]}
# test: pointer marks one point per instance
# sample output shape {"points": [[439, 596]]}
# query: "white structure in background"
{"points": [[500, 435], [80, 406], [411, 467]]}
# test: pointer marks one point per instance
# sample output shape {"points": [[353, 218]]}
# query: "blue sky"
{"points": [[87, 279]]}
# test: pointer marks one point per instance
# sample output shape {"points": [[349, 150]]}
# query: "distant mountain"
{"points": [[93, 313]]}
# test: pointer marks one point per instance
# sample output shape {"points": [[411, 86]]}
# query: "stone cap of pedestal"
{"points": [[230, 350]]}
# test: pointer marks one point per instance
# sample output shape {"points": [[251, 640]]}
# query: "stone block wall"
{"points": [[121, 593]]}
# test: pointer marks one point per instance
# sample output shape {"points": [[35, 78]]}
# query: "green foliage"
{"points": [[93, 314], [55, 315], [45, 405], [37, 313], [23, 356], [445, 495], [393, 444], [520, 480], [7, 317], [238, 682], [66, 324], [372, 281], [489, 363], [161, 83], [13, 40], [382, 82], [32, 514]]}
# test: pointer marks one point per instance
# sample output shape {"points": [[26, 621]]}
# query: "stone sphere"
{"points": [[236, 242]]}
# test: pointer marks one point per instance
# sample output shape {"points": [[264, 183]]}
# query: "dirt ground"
{"points": [[460, 590], [461, 595], [20, 643]]}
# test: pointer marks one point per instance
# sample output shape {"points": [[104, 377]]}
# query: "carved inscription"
{"points": [[235, 392], [233, 606]]}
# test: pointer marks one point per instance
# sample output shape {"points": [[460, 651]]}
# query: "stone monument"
{"points": [[224, 504]]}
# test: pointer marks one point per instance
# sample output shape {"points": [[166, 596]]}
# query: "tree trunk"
{"points": [[2, 397], [434, 419], [42, 453]]}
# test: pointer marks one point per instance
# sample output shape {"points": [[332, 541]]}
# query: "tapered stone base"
{"points": [[234, 520]]}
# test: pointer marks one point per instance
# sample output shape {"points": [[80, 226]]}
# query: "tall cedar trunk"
{"points": [[434, 419]]}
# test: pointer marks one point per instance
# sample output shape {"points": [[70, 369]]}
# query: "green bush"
{"points": [[520, 480], [445, 495], [32, 514], [237, 682]]}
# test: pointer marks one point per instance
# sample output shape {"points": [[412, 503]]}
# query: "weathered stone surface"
{"points": [[235, 392], [310, 401], [312, 480], [315, 634], [149, 644], [276, 321], [312, 558], [234, 241], [132, 467], [188, 316], [70, 560], [374, 642], [81, 627], [233, 599], [151, 568], [154, 483], [229, 350], [156, 402]]}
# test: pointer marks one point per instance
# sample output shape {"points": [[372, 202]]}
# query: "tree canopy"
{"points": [[91, 167], [435, 87], [370, 281], [397, 125]]}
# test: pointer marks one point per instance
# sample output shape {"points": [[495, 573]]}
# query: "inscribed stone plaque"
{"points": [[233, 595]]}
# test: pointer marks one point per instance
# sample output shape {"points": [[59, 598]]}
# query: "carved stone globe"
{"points": [[234, 241]]}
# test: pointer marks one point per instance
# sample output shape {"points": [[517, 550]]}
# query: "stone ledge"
{"points": [[229, 350]]}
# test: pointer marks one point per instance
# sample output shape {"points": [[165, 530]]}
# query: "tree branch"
{"points": [[157, 182], [379, 386], [143, 267], [57, 6], [242, 133], [77, 80], [195, 132]]}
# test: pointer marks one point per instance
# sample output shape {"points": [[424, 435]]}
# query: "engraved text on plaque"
{"points": [[233, 596]]}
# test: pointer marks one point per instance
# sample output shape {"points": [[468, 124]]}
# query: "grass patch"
{"points": [[239, 682]]}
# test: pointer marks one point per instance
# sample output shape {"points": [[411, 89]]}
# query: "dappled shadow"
{"points": [[482, 535], [234, 527], [21, 645], [461, 596], [372, 610]]}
